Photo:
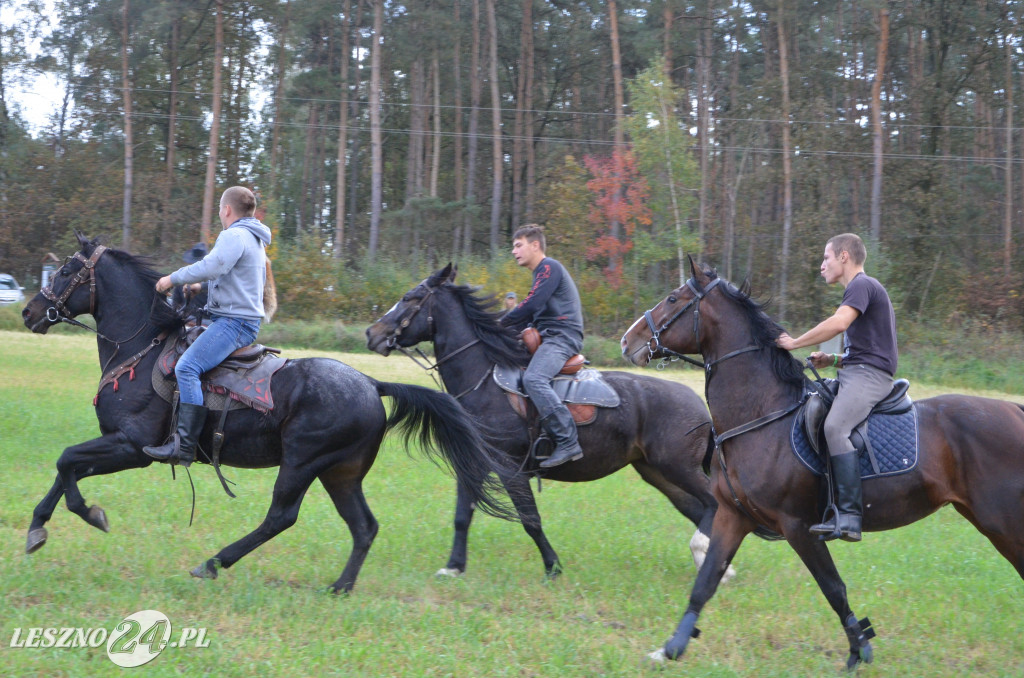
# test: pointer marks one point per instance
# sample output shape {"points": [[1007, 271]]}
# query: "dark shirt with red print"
{"points": [[553, 304]]}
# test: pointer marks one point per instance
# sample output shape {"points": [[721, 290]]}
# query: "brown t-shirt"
{"points": [[871, 338]]}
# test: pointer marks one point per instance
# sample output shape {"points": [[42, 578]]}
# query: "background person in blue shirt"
{"points": [[236, 268]]}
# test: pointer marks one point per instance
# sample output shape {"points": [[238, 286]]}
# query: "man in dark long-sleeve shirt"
{"points": [[553, 307]]}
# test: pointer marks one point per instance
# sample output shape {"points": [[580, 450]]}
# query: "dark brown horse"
{"points": [[641, 432], [327, 424], [971, 449]]}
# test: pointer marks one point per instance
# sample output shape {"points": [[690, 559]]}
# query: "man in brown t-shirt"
{"points": [[865, 376]]}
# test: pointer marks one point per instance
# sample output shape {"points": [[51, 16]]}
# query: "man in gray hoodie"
{"points": [[236, 269]]}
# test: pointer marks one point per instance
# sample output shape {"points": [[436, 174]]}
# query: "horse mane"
{"points": [[162, 315], [764, 331], [501, 343]]}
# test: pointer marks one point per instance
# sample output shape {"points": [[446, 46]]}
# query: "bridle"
{"points": [[654, 345], [423, 361], [57, 312], [656, 348]]}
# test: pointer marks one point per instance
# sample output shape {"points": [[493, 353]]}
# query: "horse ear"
{"points": [[82, 238], [694, 268], [455, 272]]}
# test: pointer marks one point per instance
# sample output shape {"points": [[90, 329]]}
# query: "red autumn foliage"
{"points": [[620, 196]]}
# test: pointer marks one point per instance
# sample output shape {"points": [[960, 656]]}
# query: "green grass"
{"points": [[943, 601]]}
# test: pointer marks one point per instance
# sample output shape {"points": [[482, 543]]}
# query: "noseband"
{"points": [[88, 271], [654, 345]]}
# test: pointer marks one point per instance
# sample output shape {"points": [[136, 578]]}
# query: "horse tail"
{"points": [[450, 438]]}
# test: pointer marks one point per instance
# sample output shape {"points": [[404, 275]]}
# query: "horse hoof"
{"points": [[448, 572], [36, 540], [658, 656], [206, 570], [98, 518]]}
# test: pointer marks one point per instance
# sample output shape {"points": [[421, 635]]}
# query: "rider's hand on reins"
{"points": [[820, 359], [164, 284]]}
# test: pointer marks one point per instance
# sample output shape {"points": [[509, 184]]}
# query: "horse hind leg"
{"points": [[346, 492], [996, 525]]}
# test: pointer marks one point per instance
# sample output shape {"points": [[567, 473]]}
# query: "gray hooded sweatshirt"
{"points": [[236, 268]]}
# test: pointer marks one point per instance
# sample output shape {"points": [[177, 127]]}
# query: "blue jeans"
{"points": [[216, 343]]}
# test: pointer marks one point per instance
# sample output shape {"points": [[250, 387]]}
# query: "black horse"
{"points": [[644, 431], [971, 449], [328, 422]]}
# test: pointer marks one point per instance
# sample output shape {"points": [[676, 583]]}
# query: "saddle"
{"points": [[243, 379], [886, 441], [582, 392]]}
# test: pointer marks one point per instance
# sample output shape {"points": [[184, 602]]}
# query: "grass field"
{"points": [[943, 602]]}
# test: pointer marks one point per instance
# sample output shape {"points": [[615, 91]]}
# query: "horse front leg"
{"points": [[818, 559], [727, 533], [107, 454], [289, 490], [37, 534], [458, 557]]}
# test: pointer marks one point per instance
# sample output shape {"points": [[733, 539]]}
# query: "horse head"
{"points": [[409, 321], [664, 331], [71, 291]]}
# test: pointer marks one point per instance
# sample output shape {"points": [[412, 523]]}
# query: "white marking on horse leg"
{"points": [[448, 572], [699, 544]]}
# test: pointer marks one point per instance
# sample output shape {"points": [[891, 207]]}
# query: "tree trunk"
{"points": [[457, 124], [876, 124], [275, 142], [614, 261], [497, 158], [376, 140], [703, 122], [435, 165], [1008, 173], [668, 14], [787, 169], [339, 203], [211, 158], [475, 93], [518, 161], [172, 114], [129, 156]]}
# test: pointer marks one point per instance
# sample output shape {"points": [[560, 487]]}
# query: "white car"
{"points": [[10, 291]]}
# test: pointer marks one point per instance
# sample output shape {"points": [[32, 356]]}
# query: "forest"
{"points": [[387, 138]]}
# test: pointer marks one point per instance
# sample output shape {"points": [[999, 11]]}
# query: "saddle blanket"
{"points": [[229, 386], [891, 445]]}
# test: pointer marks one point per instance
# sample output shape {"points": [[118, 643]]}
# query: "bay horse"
{"points": [[328, 421], [971, 449], [644, 431]]}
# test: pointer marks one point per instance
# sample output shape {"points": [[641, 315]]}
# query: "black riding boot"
{"points": [[562, 430], [845, 523], [182, 447]]}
